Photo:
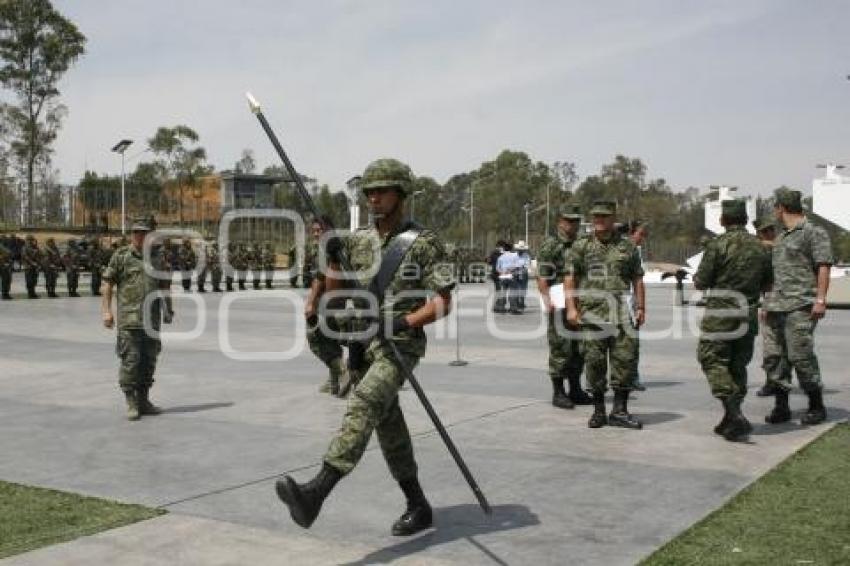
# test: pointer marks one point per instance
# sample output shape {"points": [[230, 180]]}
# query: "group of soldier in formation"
{"points": [[591, 286]]}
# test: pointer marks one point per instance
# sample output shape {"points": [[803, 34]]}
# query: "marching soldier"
{"points": [[5, 269], [32, 260], [138, 319], [292, 257], [802, 258], [268, 258], [53, 263], [734, 261], [374, 405], [71, 259], [603, 268], [565, 356]]}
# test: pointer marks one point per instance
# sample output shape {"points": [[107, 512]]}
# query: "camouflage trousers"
{"points": [[374, 406], [323, 347], [565, 355], [618, 347], [724, 363], [31, 278], [137, 352], [789, 342]]}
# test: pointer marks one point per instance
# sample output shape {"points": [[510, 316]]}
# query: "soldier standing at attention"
{"points": [[96, 256], [603, 268], [374, 404], [240, 262], [71, 259], [138, 326], [53, 264], [32, 260], [565, 357], [255, 261], [802, 258], [229, 266], [187, 260], [214, 266], [268, 260], [5, 269], [734, 261]]}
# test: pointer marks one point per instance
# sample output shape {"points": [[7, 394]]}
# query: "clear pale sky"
{"points": [[748, 93]]}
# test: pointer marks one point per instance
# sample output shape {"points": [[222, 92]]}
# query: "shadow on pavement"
{"points": [[196, 408], [455, 523], [657, 418], [761, 428], [653, 384]]}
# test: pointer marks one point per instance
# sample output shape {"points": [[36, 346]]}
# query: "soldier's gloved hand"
{"points": [[168, 316]]}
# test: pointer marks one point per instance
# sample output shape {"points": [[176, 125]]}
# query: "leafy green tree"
{"points": [[37, 46], [181, 160]]}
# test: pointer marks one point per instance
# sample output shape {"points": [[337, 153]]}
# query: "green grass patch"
{"points": [[32, 517], [798, 513]]}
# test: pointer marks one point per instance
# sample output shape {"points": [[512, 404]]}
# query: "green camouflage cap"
{"points": [[604, 208], [763, 224], [735, 208], [570, 212], [387, 173], [789, 198], [143, 224]]}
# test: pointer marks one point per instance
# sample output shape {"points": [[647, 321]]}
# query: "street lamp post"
{"points": [[121, 147], [527, 207], [472, 216]]}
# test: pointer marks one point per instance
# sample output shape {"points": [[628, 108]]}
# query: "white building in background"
{"points": [[713, 210], [831, 196]]}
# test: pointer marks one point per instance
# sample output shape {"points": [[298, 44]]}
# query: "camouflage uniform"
{"points": [[788, 333], [292, 257], [268, 260], [229, 268], [255, 263], [214, 266], [96, 256], [187, 260], [71, 259], [138, 328], [5, 270], [53, 264], [565, 353], [240, 263], [607, 269], [734, 261], [32, 260], [311, 263]]}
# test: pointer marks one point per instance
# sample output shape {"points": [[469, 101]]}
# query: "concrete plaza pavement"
{"points": [[561, 493]]}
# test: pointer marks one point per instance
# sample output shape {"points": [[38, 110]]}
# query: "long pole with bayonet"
{"points": [[346, 267]]}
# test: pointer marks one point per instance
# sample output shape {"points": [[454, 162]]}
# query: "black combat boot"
{"points": [[737, 426], [32, 294], [817, 412], [145, 405], [598, 418], [202, 289], [721, 426], [268, 283], [305, 500], [578, 395], [620, 412], [241, 285], [780, 413], [559, 395], [417, 516], [256, 284], [7, 297]]}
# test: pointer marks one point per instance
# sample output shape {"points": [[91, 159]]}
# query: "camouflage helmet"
{"points": [[387, 173]]}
